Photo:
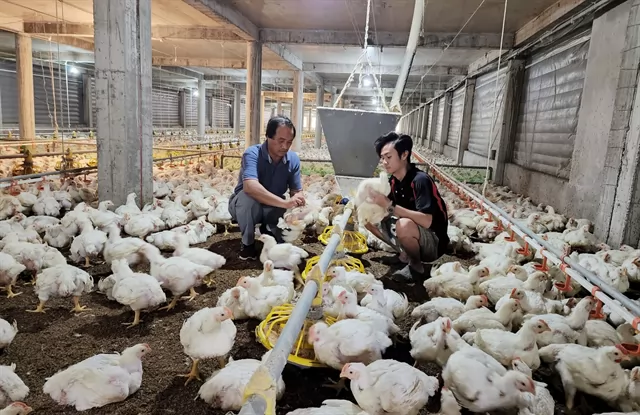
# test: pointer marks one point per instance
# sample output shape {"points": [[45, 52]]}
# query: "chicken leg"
{"points": [[208, 281], [34, 277], [136, 320], [10, 293], [172, 304], [77, 307], [39, 309], [339, 386], [87, 262], [194, 374], [226, 231], [222, 361], [192, 295]]}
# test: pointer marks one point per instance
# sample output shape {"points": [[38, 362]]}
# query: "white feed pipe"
{"points": [[549, 256], [409, 53]]}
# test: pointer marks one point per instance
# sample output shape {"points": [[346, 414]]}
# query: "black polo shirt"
{"points": [[418, 192]]}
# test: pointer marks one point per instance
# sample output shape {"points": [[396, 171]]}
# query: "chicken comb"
{"points": [[622, 349], [20, 404]]}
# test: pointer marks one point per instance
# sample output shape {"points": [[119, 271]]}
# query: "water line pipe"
{"points": [[256, 404], [587, 279]]}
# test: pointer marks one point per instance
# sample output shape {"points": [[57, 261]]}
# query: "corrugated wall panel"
{"points": [[482, 112], [548, 112], [68, 100], [208, 111], [439, 119], [243, 112], [166, 107], [190, 110], [455, 119], [429, 124]]}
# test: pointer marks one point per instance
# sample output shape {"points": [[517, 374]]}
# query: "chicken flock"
{"points": [[489, 327]]}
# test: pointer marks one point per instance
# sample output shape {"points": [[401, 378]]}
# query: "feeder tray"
{"points": [[92, 162], [353, 242], [269, 330], [348, 262]]}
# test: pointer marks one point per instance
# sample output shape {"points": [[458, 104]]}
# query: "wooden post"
{"points": [[253, 126], [24, 75]]}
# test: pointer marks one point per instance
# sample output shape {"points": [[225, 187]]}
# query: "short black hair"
{"points": [[401, 142], [279, 121]]}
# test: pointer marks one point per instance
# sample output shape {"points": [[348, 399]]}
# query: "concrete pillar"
{"points": [[236, 112], [278, 107], [123, 99], [297, 108], [425, 124], [309, 113], [24, 78], [183, 96], [319, 103], [470, 88], [202, 105], [87, 101], [253, 128], [334, 95]]}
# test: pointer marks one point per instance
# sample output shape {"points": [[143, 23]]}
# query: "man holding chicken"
{"points": [[416, 225], [267, 170]]}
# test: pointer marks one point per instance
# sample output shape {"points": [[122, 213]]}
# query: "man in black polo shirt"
{"points": [[417, 223]]}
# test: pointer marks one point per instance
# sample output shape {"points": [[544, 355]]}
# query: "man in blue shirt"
{"points": [[267, 171]]}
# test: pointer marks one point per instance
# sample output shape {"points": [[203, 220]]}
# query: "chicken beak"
{"points": [[532, 387], [343, 372], [485, 299], [513, 294]]}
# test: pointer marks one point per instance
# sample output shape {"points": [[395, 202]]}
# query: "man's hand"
{"points": [[295, 201], [379, 199]]}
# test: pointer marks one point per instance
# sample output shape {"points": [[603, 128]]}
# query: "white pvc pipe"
{"points": [[614, 306], [412, 44]]}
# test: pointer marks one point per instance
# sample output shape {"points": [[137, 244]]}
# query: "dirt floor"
{"points": [[52, 341]]}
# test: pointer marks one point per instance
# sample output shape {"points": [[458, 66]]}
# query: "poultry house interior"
{"points": [[128, 127]]}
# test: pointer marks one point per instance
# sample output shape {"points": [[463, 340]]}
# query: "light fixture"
{"points": [[195, 93], [367, 82], [73, 70], [374, 100]]}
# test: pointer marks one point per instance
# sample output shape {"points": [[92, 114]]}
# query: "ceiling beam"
{"points": [[392, 39], [215, 63], [342, 68], [157, 32], [545, 19], [181, 71]]}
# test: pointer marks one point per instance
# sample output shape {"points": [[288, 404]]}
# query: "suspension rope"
{"points": [[495, 102]]}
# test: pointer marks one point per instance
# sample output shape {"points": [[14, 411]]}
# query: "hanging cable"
{"points": [[495, 101]]}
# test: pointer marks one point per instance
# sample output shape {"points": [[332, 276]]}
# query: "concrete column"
{"points": [[236, 112], [123, 99], [470, 88], [278, 107], [309, 113], [334, 95], [87, 101], [24, 75], [253, 127], [319, 103], [425, 124], [297, 108], [182, 107], [202, 105]]}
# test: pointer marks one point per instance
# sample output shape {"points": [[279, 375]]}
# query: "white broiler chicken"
{"points": [[386, 302], [142, 224], [46, 205], [134, 289], [12, 388], [57, 236], [456, 285], [481, 384], [9, 271], [261, 299], [389, 387], [89, 244], [505, 346], [272, 276], [448, 307], [209, 333], [164, 240], [7, 332], [13, 224], [367, 211], [236, 299], [99, 380], [62, 281], [565, 329], [428, 341], [354, 279], [351, 309], [122, 248], [220, 215], [602, 377], [580, 238], [176, 274], [540, 403], [347, 341], [225, 388], [329, 407], [16, 408], [483, 318], [130, 207], [284, 255], [198, 256]]}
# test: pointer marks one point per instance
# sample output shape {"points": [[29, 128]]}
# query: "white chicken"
{"points": [[9, 271], [261, 299], [7, 332], [448, 307], [235, 299], [136, 290], [369, 212], [99, 380], [330, 407], [62, 281], [389, 387], [12, 388], [197, 255], [428, 341], [89, 244], [541, 402], [386, 302], [209, 333], [283, 255], [351, 309], [456, 285], [16, 408], [225, 388]]}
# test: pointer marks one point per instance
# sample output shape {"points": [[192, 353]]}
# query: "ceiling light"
{"points": [[367, 81], [195, 93], [374, 100], [73, 70]]}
